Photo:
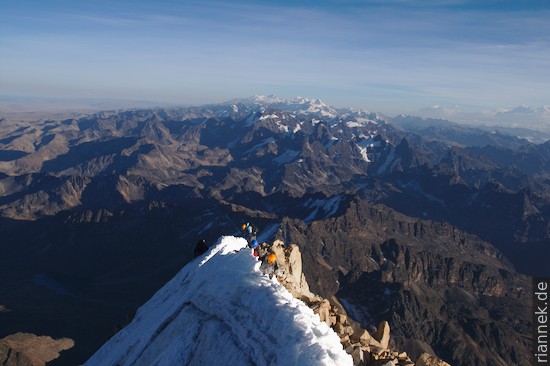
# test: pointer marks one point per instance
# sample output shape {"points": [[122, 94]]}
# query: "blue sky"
{"points": [[389, 56]]}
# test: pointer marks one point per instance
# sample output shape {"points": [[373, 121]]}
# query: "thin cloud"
{"points": [[375, 55]]}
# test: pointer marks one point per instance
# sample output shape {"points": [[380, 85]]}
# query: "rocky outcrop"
{"points": [[382, 334], [289, 260], [427, 360], [12, 357], [435, 284], [366, 349], [24, 349]]}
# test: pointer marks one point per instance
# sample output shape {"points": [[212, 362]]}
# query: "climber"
{"points": [[250, 230], [253, 243], [269, 265], [200, 248], [262, 250]]}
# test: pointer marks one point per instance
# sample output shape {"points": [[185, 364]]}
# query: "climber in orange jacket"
{"points": [[269, 265]]}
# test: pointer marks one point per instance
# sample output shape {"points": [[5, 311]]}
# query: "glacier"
{"points": [[221, 310]]}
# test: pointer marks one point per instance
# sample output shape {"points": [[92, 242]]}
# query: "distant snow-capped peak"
{"points": [[299, 105], [257, 100], [528, 110], [272, 99], [286, 112]]}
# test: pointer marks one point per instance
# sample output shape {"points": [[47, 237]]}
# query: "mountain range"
{"points": [[432, 226], [518, 118]]}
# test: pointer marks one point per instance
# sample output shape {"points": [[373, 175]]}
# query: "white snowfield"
{"points": [[220, 310]]}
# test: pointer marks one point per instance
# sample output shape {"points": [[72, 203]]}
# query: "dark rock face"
{"points": [[431, 281], [366, 349], [423, 227]]}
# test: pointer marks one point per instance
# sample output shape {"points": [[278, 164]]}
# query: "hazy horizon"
{"points": [[392, 57], [38, 108]]}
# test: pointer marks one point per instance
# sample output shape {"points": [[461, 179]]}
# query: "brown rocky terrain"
{"points": [[24, 349]]}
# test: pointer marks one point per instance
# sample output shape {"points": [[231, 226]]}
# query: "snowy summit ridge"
{"points": [[220, 310], [304, 108], [297, 104]]}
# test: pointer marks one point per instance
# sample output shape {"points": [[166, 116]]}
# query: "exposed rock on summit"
{"points": [[365, 349], [455, 288], [24, 349]]}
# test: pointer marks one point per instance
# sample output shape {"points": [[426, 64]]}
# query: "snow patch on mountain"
{"points": [[220, 310], [282, 126], [272, 116], [278, 120], [286, 157], [333, 140], [361, 122], [390, 161], [364, 153], [366, 142], [259, 146], [359, 313], [329, 207], [252, 118], [267, 234]]}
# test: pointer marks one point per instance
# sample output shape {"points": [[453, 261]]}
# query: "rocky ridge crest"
{"points": [[365, 348]]}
